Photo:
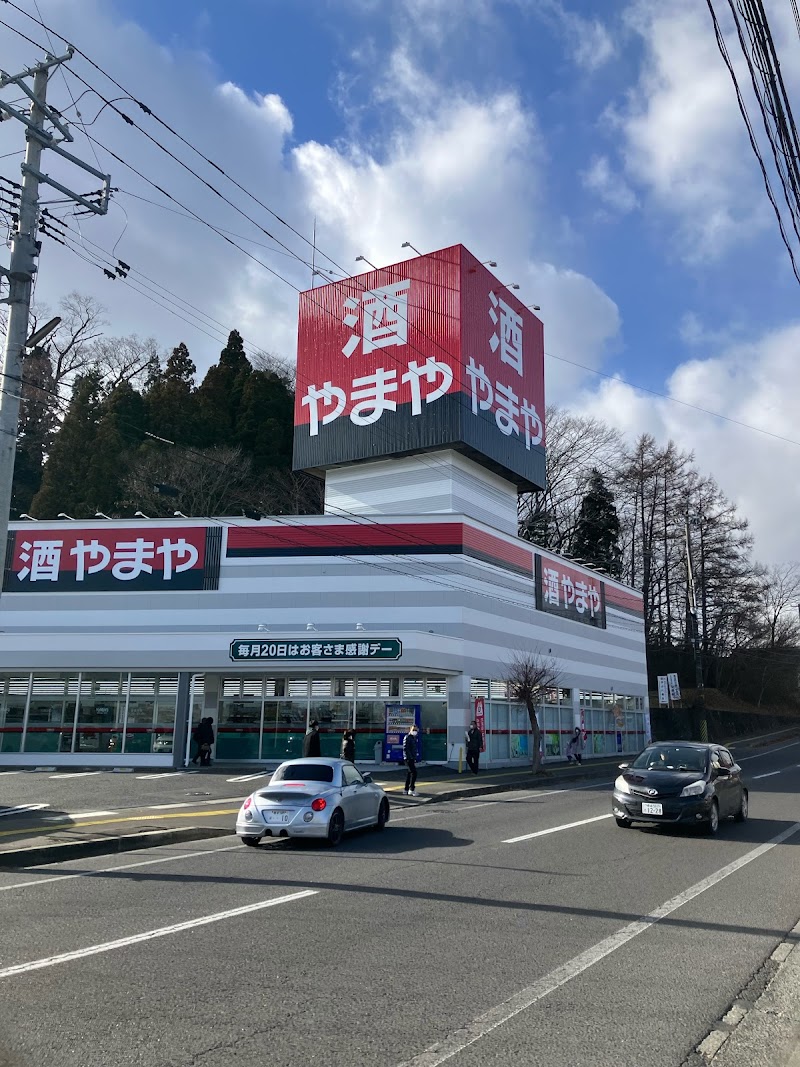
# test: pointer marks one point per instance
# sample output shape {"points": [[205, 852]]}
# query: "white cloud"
{"points": [[588, 41], [754, 384], [611, 188], [683, 140]]}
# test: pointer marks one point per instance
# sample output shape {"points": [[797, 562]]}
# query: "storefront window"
{"points": [[238, 726], [101, 713], [51, 715], [434, 729], [370, 728], [334, 717], [13, 700], [284, 728], [520, 731], [151, 713], [497, 728]]}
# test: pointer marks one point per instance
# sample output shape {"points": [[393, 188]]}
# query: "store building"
{"points": [[407, 598]]}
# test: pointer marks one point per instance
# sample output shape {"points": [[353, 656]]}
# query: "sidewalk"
{"points": [[34, 842]]}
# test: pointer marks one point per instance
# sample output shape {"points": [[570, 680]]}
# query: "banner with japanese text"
{"points": [[73, 559], [430, 353], [570, 593]]}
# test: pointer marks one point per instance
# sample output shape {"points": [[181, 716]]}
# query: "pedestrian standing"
{"points": [[312, 745], [474, 746], [575, 746], [204, 736], [410, 758], [349, 746]]}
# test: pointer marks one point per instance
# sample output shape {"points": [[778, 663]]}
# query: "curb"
{"points": [[36, 855], [531, 782]]}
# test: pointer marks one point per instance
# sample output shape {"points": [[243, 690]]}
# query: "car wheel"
{"points": [[383, 815], [712, 825], [742, 813], [624, 824], [336, 828], [253, 842]]}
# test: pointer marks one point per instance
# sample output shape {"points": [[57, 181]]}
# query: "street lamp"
{"points": [[42, 332], [488, 263], [30, 518], [408, 244], [363, 259], [140, 515], [102, 515], [180, 515], [63, 515]]}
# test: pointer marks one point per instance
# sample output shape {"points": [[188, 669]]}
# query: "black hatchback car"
{"points": [[680, 782]]}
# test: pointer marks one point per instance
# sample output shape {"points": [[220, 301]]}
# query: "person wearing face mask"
{"points": [[474, 746], [410, 758]]}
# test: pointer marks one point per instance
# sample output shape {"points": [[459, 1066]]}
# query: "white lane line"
{"points": [[10, 772], [77, 815], [249, 777], [149, 935], [769, 774], [20, 809], [164, 807], [479, 1027], [769, 752], [52, 879], [555, 829], [74, 774], [161, 774]]}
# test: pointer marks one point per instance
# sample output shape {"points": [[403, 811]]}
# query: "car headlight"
{"points": [[696, 789], [621, 785]]}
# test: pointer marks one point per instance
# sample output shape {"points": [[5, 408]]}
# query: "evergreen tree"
{"points": [[120, 430], [67, 471], [219, 396], [596, 536], [170, 399], [38, 419], [264, 421]]}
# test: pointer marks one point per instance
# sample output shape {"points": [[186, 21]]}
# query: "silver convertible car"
{"points": [[319, 797]]}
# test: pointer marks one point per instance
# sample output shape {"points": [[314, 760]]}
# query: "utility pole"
{"points": [[25, 250], [698, 665]]}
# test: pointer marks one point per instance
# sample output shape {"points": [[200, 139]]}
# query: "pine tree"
{"points": [[219, 396], [38, 420], [596, 536], [120, 431], [67, 471], [170, 399]]}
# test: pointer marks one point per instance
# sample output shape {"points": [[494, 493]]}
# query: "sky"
{"points": [[595, 151]]}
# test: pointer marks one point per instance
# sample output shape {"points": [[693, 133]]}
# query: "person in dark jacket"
{"points": [[474, 746], [312, 745], [410, 758], [204, 736], [349, 746]]}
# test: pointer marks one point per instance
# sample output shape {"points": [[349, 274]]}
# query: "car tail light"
{"points": [[319, 804], [247, 803]]}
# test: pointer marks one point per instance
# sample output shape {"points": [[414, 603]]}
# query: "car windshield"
{"points": [[304, 772], [671, 758]]}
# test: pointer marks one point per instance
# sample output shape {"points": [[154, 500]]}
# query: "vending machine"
{"points": [[399, 719]]}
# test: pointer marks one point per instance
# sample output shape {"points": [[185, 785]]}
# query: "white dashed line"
{"points": [[149, 935], [75, 774], [249, 777], [161, 774], [77, 815], [555, 829], [770, 774], [21, 809]]}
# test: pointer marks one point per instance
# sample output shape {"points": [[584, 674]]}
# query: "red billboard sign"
{"points": [[570, 593], [429, 353], [44, 560]]}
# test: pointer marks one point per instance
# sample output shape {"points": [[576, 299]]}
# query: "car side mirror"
{"points": [[723, 772], [624, 766], [367, 777]]}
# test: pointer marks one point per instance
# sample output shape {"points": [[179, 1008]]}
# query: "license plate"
{"points": [[277, 816], [652, 809]]}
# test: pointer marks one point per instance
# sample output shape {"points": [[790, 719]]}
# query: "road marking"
{"points": [[74, 774], [161, 774], [10, 772], [555, 829], [78, 815], [149, 935], [120, 867], [20, 809], [249, 777], [769, 752], [165, 807], [482, 1025], [769, 774], [25, 832]]}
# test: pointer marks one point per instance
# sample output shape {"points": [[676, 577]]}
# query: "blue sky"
{"points": [[594, 150]]}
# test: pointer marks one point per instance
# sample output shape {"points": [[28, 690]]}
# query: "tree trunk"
{"points": [[537, 736]]}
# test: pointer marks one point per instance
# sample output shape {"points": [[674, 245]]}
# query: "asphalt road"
{"points": [[454, 937]]}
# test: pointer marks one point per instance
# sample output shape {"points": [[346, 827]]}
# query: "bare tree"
{"points": [[82, 322], [208, 482], [775, 624], [528, 676], [124, 359], [277, 365]]}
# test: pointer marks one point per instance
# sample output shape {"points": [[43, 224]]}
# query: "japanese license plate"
{"points": [[652, 809], [277, 816]]}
